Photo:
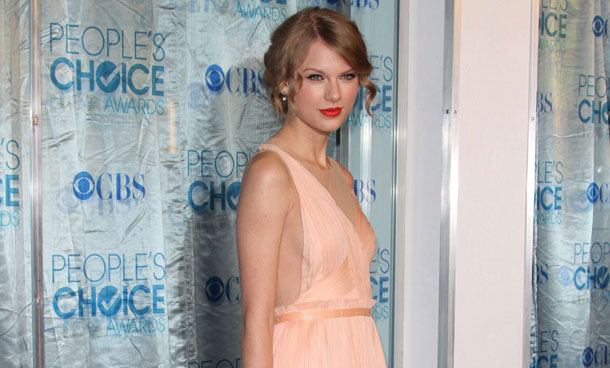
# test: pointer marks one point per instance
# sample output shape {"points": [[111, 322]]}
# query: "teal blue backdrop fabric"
{"points": [[15, 181], [570, 304]]}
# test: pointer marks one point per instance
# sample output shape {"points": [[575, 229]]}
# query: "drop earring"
{"points": [[283, 97]]}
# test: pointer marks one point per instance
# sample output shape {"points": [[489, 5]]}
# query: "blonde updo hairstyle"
{"points": [[290, 43]]}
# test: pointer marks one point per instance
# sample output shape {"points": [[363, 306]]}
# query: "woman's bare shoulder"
{"points": [[267, 176], [267, 167]]}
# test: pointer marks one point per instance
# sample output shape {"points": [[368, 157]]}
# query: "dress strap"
{"points": [[310, 315]]}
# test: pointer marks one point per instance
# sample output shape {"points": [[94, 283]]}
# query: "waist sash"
{"points": [[311, 315]]}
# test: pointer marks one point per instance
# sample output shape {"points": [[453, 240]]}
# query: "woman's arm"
{"points": [[264, 201]]}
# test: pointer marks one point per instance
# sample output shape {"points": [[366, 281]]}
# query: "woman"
{"points": [[304, 245]]}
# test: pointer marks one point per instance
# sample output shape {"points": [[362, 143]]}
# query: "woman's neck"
{"points": [[304, 142]]}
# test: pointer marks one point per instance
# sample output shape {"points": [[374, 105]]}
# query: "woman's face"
{"points": [[328, 91]]}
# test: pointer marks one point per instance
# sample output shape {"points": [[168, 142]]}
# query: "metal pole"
{"points": [[449, 182], [399, 143], [530, 181], [37, 255]]}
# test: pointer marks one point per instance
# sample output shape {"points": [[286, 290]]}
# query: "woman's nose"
{"points": [[333, 93]]}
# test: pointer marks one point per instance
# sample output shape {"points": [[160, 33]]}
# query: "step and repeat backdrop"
{"points": [[150, 112], [571, 299], [15, 182]]}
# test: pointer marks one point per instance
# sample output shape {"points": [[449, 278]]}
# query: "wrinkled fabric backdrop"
{"points": [[15, 181], [150, 112], [570, 305]]}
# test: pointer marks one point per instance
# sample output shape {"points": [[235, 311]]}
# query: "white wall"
{"points": [[493, 87], [493, 90]]}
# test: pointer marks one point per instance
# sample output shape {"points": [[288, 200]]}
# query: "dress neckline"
{"points": [[322, 187]]}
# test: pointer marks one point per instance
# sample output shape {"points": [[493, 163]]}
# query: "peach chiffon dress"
{"points": [[323, 313]]}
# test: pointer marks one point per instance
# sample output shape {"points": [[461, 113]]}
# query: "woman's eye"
{"points": [[314, 77], [349, 76]]}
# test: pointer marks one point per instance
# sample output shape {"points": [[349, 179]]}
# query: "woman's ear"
{"points": [[284, 88]]}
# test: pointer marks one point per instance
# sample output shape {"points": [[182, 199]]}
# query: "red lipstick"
{"points": [[332, 112]]}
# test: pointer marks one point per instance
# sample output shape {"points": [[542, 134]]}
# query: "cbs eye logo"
{"points": [[119, 186], [598, 192], [216, 289], [599, 26], [596, 357]]}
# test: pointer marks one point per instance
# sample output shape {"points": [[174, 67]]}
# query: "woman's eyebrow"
{"points": [[321, 72], [313, 70]]}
